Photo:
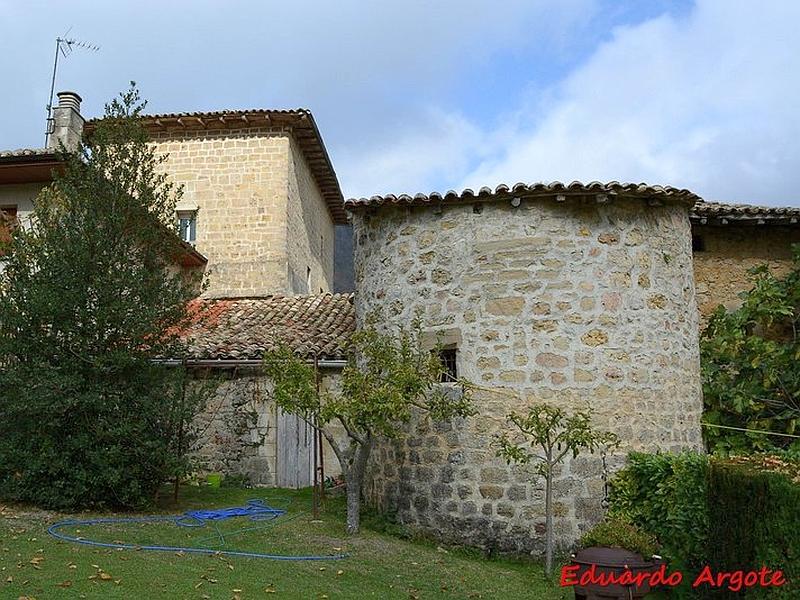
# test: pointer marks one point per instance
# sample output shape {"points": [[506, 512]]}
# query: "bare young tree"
{"points": [[551, 434], [388, 376]]}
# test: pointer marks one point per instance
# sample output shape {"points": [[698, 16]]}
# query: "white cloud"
{"points": [[708, 101], [437, 148], [419, 95]]}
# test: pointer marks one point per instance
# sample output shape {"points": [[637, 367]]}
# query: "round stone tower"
{"points": [[577, 295]]}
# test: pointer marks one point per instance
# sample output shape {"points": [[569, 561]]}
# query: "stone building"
{"points": [[260, 197], [581, 295], [241, 431], [729, 239], [576, 294]]}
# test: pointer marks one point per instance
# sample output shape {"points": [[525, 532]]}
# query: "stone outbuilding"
{"points": [[241, 430], [579, 295]]}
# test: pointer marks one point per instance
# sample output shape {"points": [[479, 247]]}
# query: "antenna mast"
{"points": [[64, 45]]}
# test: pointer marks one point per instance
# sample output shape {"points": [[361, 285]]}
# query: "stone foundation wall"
{"points": [[729, 251], [571, 303]]}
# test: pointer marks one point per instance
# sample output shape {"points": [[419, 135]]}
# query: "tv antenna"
{"points": [[64, 46]]}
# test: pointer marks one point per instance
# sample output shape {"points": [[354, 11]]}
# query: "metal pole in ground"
{"points": [[318, 441], [315, 490]]}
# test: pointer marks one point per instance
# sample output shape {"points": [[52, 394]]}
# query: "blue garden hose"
{"points": [[256, 510]]}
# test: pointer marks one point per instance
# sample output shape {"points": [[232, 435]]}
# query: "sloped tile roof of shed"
{"points": [[243, 329], [711, 211], [576, 188]]}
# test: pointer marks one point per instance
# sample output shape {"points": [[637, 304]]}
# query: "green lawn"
{"points": [[34, 565]]}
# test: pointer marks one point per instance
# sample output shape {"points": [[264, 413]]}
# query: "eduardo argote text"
{"points": [[735, 581]]}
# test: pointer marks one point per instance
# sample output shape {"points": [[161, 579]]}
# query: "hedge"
{"points": [[726, 513], [754, 521]]}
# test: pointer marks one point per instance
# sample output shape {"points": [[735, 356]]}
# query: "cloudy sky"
{"points": [[431, 95]]}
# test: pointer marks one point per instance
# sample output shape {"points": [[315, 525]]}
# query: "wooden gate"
{"points": [[295, 452]]}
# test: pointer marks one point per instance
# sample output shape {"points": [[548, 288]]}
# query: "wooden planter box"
{"points": [[615, 561]]}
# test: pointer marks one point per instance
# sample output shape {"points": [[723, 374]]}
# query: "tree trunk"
{"points": [[548, 524], [353, 503], [355, 481]]}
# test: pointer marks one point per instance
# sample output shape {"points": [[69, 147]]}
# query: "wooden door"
{"points": [[295, 452]]}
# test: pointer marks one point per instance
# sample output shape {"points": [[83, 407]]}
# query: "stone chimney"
{"points": [[67, 123]]}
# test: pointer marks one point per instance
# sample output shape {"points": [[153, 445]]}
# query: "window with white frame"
{"points": [[187, 225]]}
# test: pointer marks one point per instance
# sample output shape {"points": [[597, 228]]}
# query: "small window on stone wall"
{"points": [[448, 358], [698, 243], [187, 225]]}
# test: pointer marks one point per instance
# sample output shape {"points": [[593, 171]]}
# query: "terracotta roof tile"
{"points": [[716, 211], [243, 329], [557, 188], [26, 152]]}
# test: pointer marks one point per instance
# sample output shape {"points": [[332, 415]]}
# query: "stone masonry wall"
{"points": [[311, 231], [730, 250], [237, 180], [576, 304], [238, 427]]}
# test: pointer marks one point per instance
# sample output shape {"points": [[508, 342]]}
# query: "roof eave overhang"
{"points": [[28, 169], [717, 219]]}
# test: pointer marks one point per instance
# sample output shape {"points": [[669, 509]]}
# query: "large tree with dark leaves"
{"points": [[89, 297], [751, 367]]}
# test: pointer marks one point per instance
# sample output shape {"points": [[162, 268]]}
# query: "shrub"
{"points": [[729, 513], [751, 375], [88, 298], [618, 532], [665, 494]]}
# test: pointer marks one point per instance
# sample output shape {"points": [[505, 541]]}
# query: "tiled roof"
{"points": [[560, 190], [717, 212], [243, 329], [301, 122], [26, 152]]}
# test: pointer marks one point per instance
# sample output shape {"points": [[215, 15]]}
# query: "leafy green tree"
{"points": [[88, 297], [388, 376], [557, 434], [751, 367]]}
